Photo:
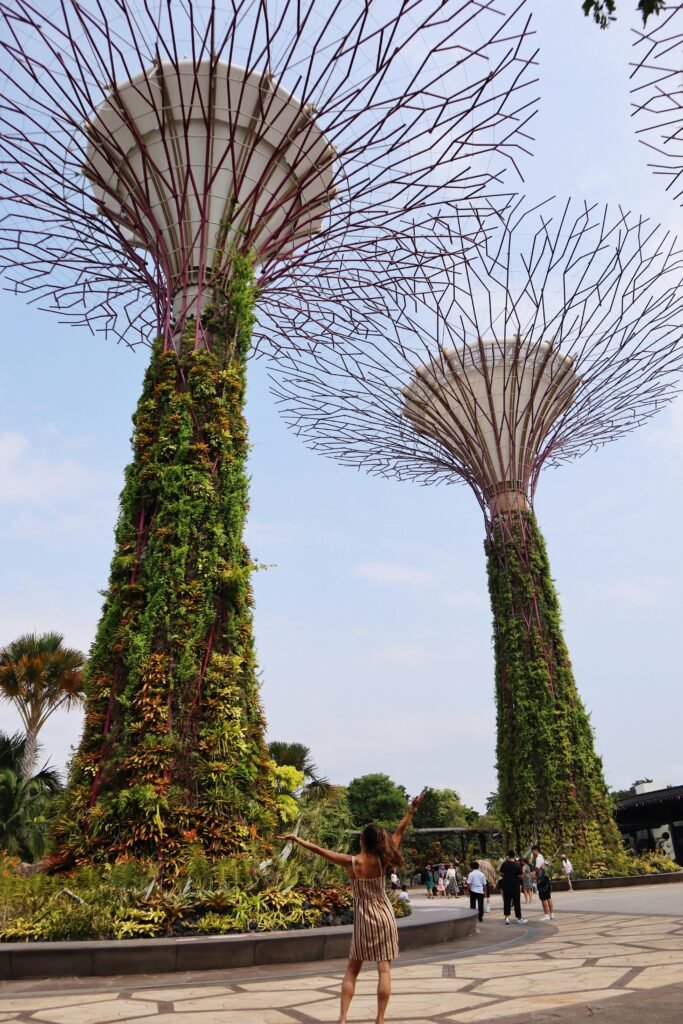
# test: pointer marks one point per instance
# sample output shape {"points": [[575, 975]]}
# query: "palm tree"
{"points": [[39, 675], [26, 805], [299, 756]]}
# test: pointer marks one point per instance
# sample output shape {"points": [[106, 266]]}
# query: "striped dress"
{"points": [[375, 936]]}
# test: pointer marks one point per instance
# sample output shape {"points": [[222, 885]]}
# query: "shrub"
{"points": [[124, 901]]}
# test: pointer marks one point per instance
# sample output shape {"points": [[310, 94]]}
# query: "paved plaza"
{"points": [[608, 957]]}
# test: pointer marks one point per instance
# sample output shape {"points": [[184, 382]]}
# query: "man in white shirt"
{"points": [[476, 885], [539, 859]]}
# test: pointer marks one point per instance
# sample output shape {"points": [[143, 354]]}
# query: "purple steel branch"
{"points": [[658, 95], [583, 302], [409, 103]]}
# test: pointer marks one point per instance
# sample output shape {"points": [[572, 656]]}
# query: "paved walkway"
{"points": [[609, 957]]}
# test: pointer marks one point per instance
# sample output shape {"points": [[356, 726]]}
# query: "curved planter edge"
{"points": [[212, 952], [560, 885]]}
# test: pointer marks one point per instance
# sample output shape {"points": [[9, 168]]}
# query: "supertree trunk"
{"points": [[173, 751], [551, 783]]}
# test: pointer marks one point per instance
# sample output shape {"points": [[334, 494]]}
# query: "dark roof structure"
{"points": [[672, 794]]}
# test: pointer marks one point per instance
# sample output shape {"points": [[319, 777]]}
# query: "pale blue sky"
{"points": [[372, 620]]}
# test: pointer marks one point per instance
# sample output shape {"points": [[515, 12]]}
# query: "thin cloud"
{"points": [[634, 592], [393, 573], [466, 599], [38, 478]]}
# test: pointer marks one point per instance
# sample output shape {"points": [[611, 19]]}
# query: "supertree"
{"points": [[658, 95], [559, 334], [174, 171]]}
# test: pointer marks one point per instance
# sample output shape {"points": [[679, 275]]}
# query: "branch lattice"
{"points": [[581, 302], [658, 95], [421, 107]]}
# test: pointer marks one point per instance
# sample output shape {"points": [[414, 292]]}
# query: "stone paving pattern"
{"points": [[583, 961]]}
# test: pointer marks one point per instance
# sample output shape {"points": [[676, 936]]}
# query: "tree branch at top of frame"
{"points": [[420, 108], [603, 12]]}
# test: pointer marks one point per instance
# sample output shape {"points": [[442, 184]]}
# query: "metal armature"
{"points": [[657, 92], [559, 333], [143, 143]]}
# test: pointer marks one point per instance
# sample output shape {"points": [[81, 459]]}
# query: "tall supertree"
{"points": [[658, 95], [559, 334], [200, 176]]}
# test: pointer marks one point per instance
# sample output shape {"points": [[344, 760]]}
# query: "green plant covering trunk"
{"points": [[173, 751], [551, 784]]}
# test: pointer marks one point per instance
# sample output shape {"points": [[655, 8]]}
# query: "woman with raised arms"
{"points": [[375, 936]]}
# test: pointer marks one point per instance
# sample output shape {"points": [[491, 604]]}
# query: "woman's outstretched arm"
{"points": [[343, 859], [403, 825]]}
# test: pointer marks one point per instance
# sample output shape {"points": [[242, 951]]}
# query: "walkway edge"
{"points": [[618, 882], [213, 952]]}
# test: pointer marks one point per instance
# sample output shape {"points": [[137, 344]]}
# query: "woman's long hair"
{"points": [[378, 841]]}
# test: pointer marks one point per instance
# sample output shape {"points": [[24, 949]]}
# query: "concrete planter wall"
{"points": [[560, 885], [213, 952]]}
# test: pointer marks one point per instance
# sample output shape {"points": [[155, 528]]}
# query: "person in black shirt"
{"points": [[511, 877]]}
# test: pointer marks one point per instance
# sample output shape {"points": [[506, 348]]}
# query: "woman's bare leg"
{"points": [[383, 989], [348, 987]]}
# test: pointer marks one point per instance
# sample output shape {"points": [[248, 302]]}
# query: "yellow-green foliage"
{"points": [[288, 780], [230, 896], [173, 751], [551, 784]]}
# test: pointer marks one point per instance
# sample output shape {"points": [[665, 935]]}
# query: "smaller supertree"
{"points": [[559, 334]]}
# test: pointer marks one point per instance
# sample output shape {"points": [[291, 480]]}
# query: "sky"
{"points": [[372, 618]]}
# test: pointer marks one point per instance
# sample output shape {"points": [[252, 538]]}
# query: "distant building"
{"points": [[653, 819]]}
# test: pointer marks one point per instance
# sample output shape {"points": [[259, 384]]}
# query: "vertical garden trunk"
{"points": [[551, 784], [173, 751]]}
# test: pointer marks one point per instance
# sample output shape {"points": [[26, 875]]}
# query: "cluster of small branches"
{"points": [[582, 283], [658, 96], [424, 105]]}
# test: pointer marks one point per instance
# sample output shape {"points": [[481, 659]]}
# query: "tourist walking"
{"points": [[491, 880], [567, 868], [429, 881], [527, 883], [511, 875], [375, 937], [451, 882], [545, 893], [476, 886]]}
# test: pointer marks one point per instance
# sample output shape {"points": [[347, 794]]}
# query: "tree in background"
{"points": [[38, 675], [442, 808], [27, 805], [377, 798]]}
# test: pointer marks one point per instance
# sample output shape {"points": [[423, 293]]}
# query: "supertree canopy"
{"points": [[560, 333], [198, 132], [658, 95], [208, 178]]}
